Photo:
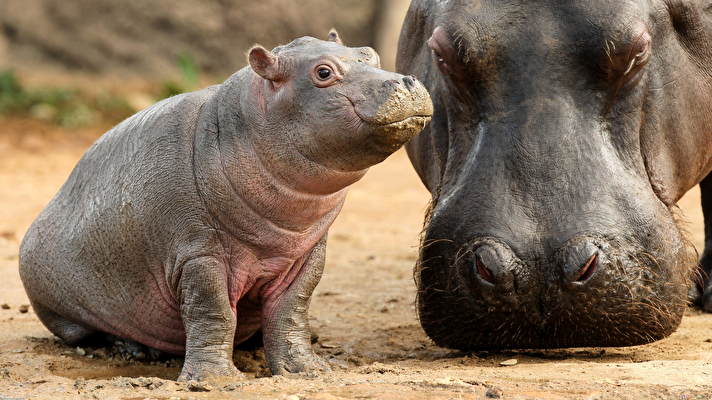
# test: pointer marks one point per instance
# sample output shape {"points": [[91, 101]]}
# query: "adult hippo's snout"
{"points": [[563, 135], [587, 291]]}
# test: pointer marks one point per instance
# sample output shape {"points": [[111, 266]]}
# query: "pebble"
{"points": [[494, 393], [24, 308], [81, 351], [5, 306], [195, 386], [509, 363]]}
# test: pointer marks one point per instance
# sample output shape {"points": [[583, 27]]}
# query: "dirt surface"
{"points": [[362, 312]]}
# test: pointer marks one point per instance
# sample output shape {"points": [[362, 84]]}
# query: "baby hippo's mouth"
{"points": [[388, 137], [415, 120]]}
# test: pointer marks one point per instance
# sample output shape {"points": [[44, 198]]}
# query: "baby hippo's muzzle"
{"points": [[402, 113]]}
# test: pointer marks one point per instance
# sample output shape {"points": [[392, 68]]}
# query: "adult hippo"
{"points": [[564, 134]]}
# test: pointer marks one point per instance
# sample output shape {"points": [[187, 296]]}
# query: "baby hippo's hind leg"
{"points": [[286, 333], [70, 332]]}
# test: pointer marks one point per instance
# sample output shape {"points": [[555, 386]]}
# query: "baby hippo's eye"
{"points": [[325, 75], [324, 72]]}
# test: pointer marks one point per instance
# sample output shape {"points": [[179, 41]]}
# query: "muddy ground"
{"points": [[362, 312]]}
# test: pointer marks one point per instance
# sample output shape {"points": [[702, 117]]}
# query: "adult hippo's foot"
{"points": [[287, 337]]}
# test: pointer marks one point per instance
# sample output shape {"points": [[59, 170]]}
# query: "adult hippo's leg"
{"points": [[287, 337], [209, 321], [706, 260]]}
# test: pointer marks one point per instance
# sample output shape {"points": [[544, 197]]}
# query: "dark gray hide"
{"points": [[564, 133]]}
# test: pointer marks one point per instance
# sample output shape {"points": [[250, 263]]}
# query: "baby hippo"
{"points": [[203, 219]]}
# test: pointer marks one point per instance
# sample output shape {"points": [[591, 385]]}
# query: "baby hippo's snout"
{"points": [[394, 111]]}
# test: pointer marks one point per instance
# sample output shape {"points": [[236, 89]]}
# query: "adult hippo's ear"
{"points": [[334, 36], [265, 63]]}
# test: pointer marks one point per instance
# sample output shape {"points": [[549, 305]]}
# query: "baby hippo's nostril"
{"points": [[390, 83], [409, 82]]}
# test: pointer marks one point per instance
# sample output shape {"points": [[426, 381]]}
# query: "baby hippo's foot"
{"points": [[209, 370], [295, 358]]}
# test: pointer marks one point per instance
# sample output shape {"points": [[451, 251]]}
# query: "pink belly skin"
{"points": [[155, 319]]}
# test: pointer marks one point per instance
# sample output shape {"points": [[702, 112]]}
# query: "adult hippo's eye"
{"points": [[324, 73]]}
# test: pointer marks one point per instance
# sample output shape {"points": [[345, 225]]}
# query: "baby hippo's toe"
{"points": [[309, 363], [207, 371]]}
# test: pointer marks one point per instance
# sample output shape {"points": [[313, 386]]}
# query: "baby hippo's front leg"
{"points": [[208, 320], [285, 323]]}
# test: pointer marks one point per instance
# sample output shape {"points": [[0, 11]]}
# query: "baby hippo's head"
{"points": [[335, 105]]}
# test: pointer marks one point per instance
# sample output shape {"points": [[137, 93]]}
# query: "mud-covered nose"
{"points": [[408, 82]]}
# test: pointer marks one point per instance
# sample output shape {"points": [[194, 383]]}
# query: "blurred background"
{"points": [[76, 62]]}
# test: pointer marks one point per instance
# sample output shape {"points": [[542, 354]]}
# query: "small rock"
{"points": [[328, 345], [80, 383], [195, 386], [24, 308], [706, 340], [81, 351], [5, 306], [494, 393], [509, 363]]}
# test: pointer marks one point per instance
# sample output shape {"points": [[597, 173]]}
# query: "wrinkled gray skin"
{"points": [[563, 135], [202, 220]]}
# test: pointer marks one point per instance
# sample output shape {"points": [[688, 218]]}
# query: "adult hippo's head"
{"points": [[564, 133]]}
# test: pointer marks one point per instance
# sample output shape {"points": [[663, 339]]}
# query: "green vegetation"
{"points": [[189, 77], [65, 107], [73, 108]]}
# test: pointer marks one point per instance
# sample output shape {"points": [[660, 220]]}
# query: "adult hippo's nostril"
{"points": [[484, 272], [580, 261], [494, 264], [588, 269]]}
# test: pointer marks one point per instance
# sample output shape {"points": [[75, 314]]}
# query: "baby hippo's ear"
{"points": [[264, 63], [334, 36]]}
